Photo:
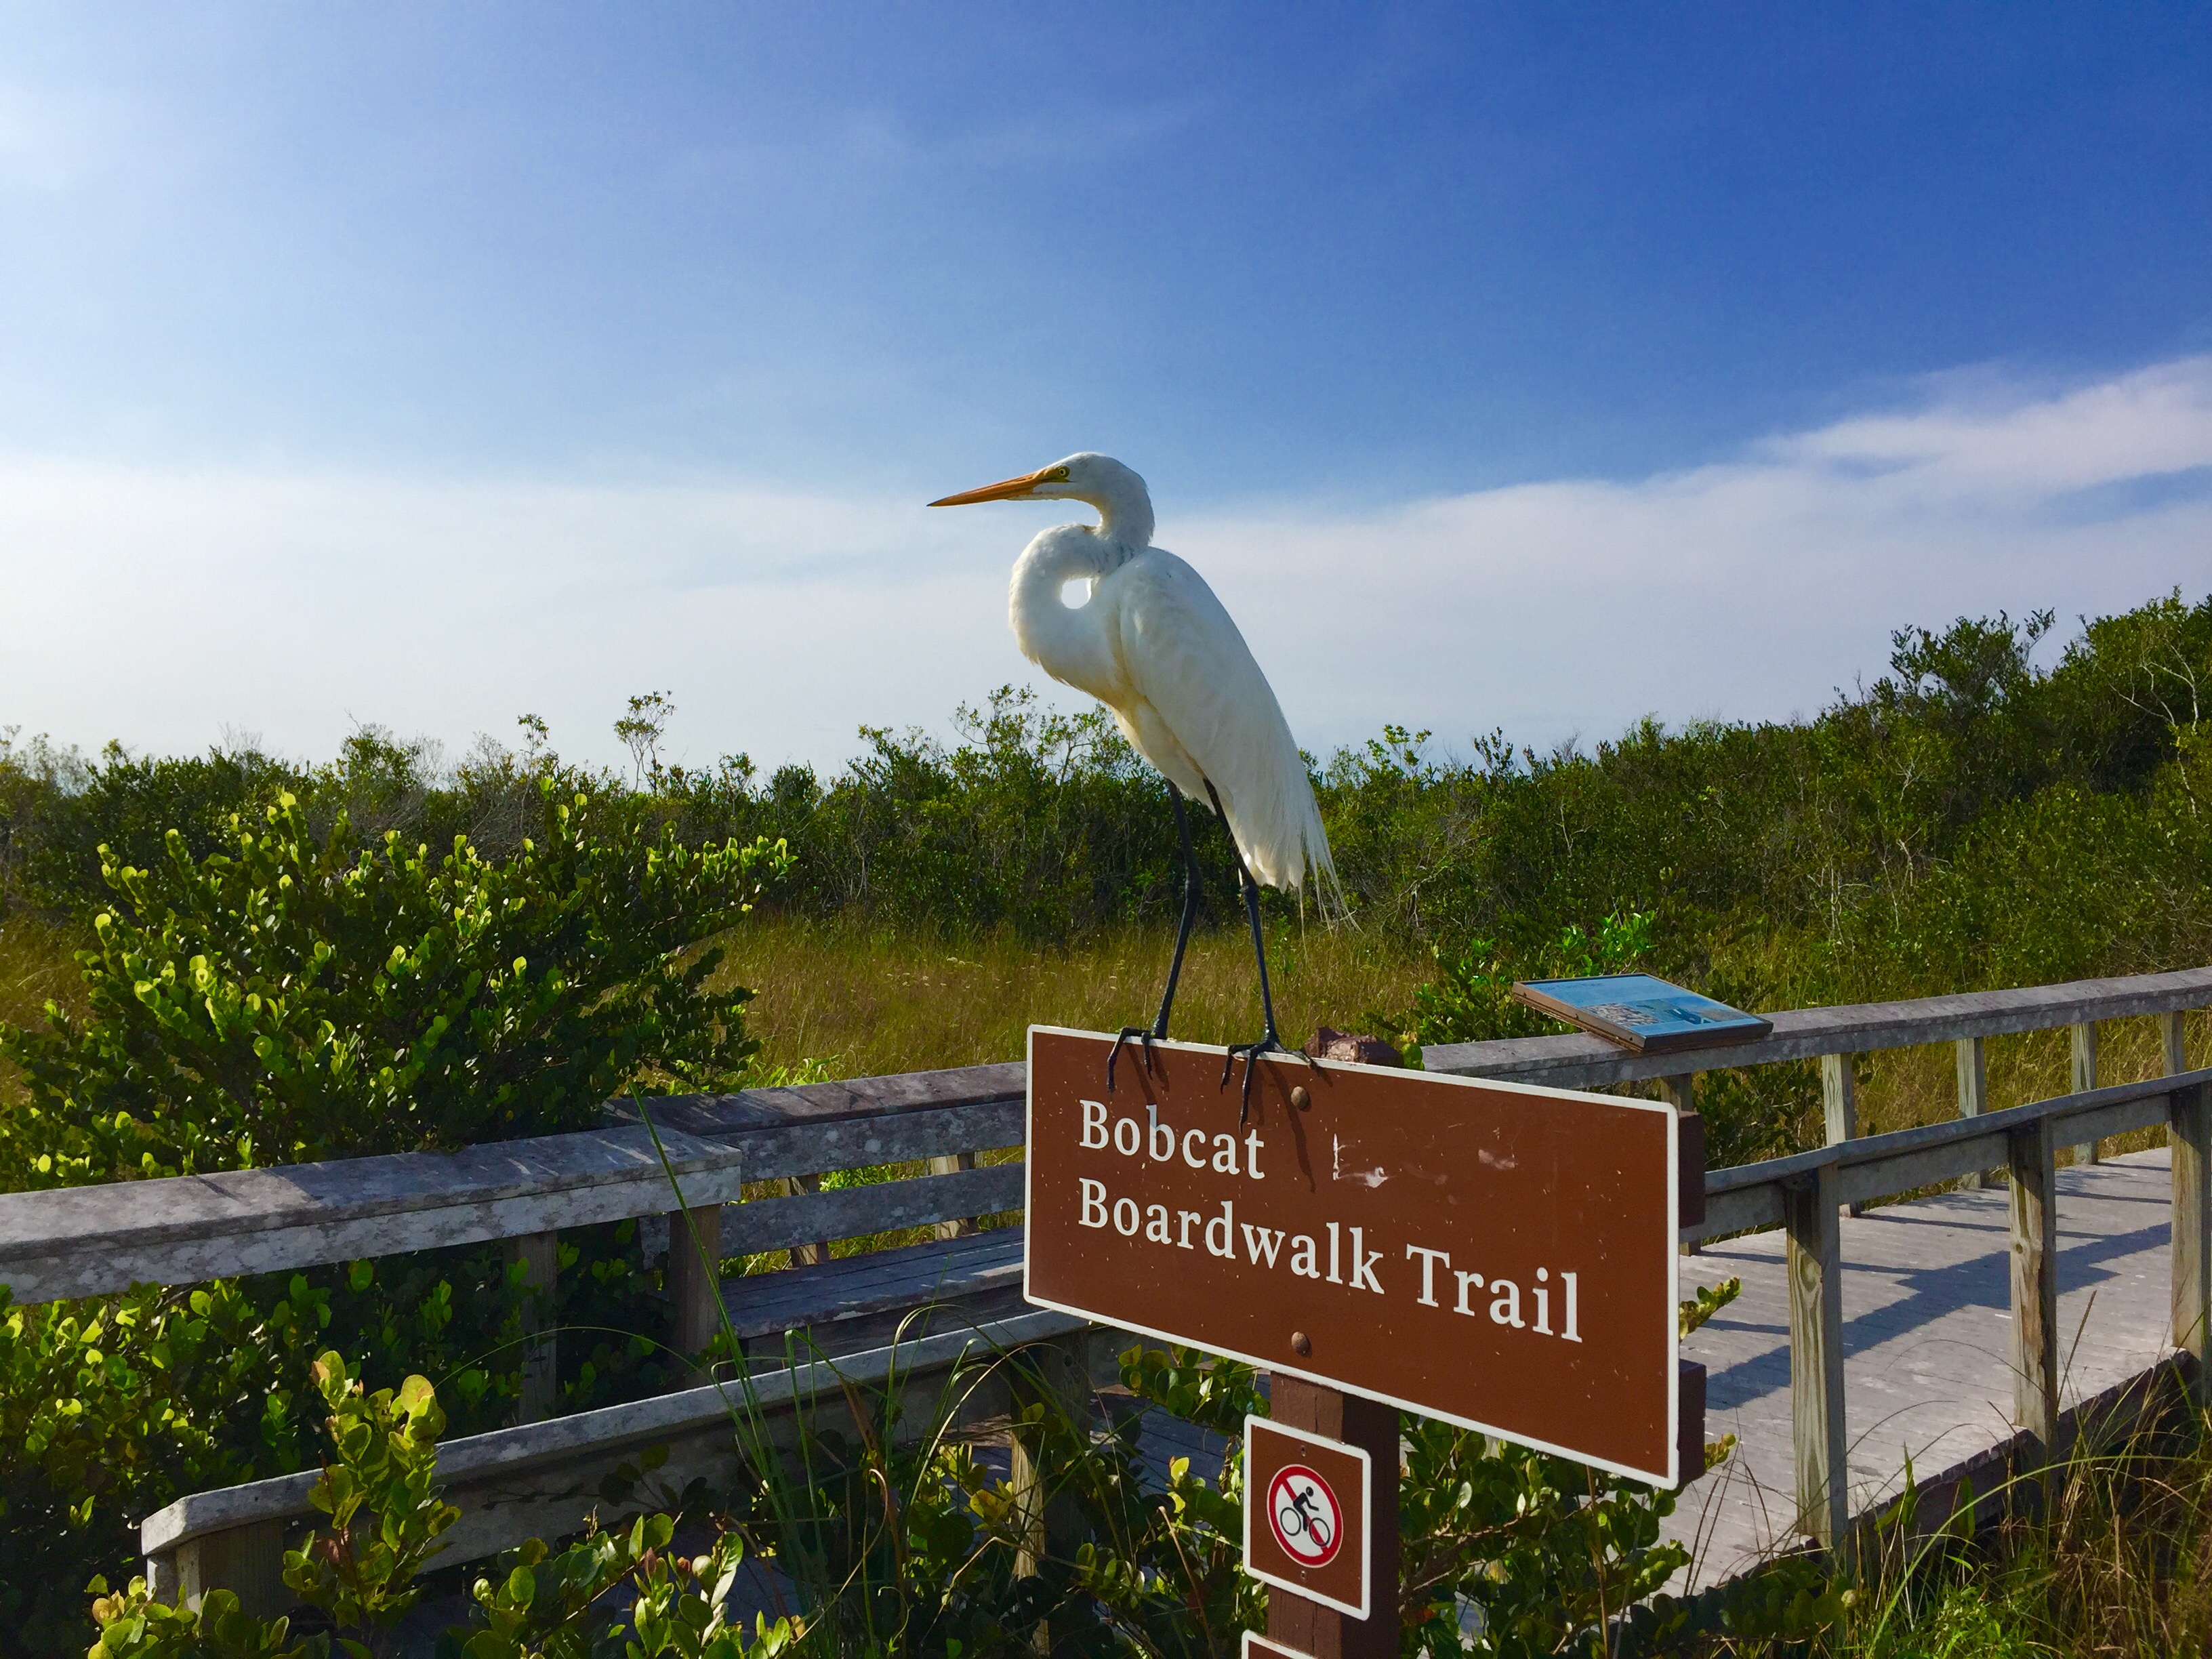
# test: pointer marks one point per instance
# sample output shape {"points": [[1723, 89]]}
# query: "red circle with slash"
{"points": [[1304, 1515]]}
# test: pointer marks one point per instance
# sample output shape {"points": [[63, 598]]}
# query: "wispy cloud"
{"points": [[159, 606]]}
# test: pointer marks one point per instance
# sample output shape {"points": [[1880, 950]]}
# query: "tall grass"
{"points": [[2117, 1560], [863, 1001]]}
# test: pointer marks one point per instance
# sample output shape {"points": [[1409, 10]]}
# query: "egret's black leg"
{"points": [[1270, 1042], [1193, 884]]}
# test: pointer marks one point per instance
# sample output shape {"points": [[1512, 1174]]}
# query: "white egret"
{"points": [[1153, 644]]}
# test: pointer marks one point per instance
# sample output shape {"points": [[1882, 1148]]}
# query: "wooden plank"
{"points": [[796, 1148], [712, 1116], [1748, 1210], [1580, 1061], [1819, 1447], [2032, 1164], [2190, 1134], [854, 1287], [1690, 1191], [2085, 1078], [1740, 1198], [1839, 1100], [2118, 1118], [695, 1270], [88, 1241], [1860, 1185], [1575, 1061], [1973, 1095], [540, 1256], [777, 1223]]}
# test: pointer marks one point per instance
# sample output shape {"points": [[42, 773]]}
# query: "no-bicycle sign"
{"points": [[1495, 1254]]}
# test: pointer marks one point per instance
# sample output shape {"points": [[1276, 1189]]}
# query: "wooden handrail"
{"points": [[1582, 1061], [1749, 1197], [88, 1241]]}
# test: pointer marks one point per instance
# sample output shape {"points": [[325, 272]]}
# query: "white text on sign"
{"points": [[1537, 1302]]}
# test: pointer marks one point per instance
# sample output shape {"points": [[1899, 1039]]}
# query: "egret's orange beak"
{"points": [[1008, 490]]}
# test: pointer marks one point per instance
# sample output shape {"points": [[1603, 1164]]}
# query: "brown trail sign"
{"points": [[1496, 1255]]}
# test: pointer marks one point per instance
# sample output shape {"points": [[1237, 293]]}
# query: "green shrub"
{"points": [[384, 1517], [287, 999]]}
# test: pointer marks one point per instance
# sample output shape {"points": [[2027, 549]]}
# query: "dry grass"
{"points": [[863, 1004], [2118, 1562], [1913, 1086], [36, 966]]}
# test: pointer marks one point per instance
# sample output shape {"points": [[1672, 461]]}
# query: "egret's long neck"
{"points": [[1125, 513], [1065, 642]]}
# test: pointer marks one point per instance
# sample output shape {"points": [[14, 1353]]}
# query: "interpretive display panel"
{"points": [[1649, 1016]]}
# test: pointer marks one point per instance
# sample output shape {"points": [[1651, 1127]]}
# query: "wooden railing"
{"points": [[1807, 1193], [86, 1241]]}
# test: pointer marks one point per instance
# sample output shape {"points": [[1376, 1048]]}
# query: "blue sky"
{"points": [[427, 364]]}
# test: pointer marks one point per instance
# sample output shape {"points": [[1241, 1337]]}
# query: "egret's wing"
{"points": [[1182, 655]]}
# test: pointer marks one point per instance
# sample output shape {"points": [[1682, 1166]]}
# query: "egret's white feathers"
{"points": [[1154, 645]]}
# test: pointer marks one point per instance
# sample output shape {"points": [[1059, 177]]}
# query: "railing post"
{"points": [[2190, 1134], [2176, 1047], [2085, 1078], [1973, 1097], [1840, 1099], [1681, 1091], [2033, 1160], [953, 1164], [694, 1276], [1055, 1376], [1815, 1258], [540, 1256], [248, 1561], [804, 1255]]}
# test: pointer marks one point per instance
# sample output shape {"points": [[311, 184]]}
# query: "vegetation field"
{"points": [[236, 958]]}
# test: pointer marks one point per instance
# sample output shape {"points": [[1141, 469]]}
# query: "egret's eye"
{"points": [[1055, 475]]}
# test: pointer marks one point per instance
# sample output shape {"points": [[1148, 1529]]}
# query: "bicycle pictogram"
{"points": [[1304, 1515]]}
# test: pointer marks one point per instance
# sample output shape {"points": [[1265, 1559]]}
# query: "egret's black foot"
{"points": [[1269, 1044], [1143, 1035]]}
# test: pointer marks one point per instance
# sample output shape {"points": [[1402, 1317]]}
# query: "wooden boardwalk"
{"points": [[1926, 1332]]}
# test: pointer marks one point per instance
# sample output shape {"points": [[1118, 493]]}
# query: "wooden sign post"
{"points": [[1495, 1254], [1299, 1622]]}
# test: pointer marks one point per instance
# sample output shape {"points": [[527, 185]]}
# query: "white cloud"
{"points": [[162, 606]]}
